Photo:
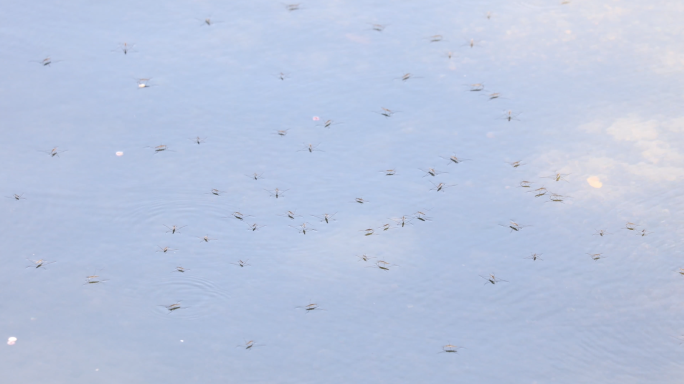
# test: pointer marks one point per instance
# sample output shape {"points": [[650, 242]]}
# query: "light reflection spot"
{"points": [[12, 340], [119, 153], [594, 182]]}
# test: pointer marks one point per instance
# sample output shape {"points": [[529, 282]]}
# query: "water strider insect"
{"points": [[254, 227], [402, 221], [242, 264], [379, 27], [643, 232], [435, 38], [174, 228], [535, 256], [454, 159], [516, 164], [488, 15], [450, 54], [165, 249], [557, 177], [539, 192], [601, 232], [364, 257], [368, 231], [472, 43], [515, 226], [407, 76], [386, 227], [281, 132], [206, 238], [526, 184], [54, 152], [16, 197], [311, 148], [94, 279], [276, 192], [494, 96], [477, 87], [292, 7], [556, 198], [248, 345], [255, 176], [441, 186], [421, 216], [360, 200], [326, 217], [386, 112], [291, 214], [312, 307], [450, 348], [181, 269], [125, 47], [329, 123], [432, 172], [282, 76], [199, 140], [493, 279], [46, 62], [385, 266], [630, 226], [172, 307], [39, 263], [681, 271], [509, 115], [389, 172], [144, 82], [160, 148], [302, 228], [595, 256], [216, 192], [239, 215]]}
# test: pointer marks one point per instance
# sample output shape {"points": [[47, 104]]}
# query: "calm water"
{"points": [[593, 90]]}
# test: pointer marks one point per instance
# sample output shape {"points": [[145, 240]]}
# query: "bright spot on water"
{"points": [[119, 153], [11, 340], [594, 182], [316, 118]]}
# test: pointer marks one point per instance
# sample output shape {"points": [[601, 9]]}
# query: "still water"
{"points": [[569, 148]]}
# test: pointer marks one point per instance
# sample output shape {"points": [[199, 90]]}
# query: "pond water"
{"points": [[546, 251]]}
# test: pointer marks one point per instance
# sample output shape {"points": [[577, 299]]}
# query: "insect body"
{"points": [[93, 279], [539, 192], [205, 238], [326, 217], [595, 256], [282, 132], [601, 232], [368, 231], [525, 184], [378, 27], [630, 226], [181, 269], [441, 187], [535, 257], [54, 152], [389, 172], [144, 83], [303, 228], [311, 307], [477, 87], [165, 249], [125, 47], [241, 263], [509, 115], [449, 348], [402, 221], [292, 7], [173, 229], [421, 216], [39, 263], [172, 307], [311, 148], [432, 172], [492, 279], [435, 38], [16, 197], [277, 192], [516, 164], [557, 177], [199, 140], [515, 226], [360, 200], [366, 258], [454, 159], [254, 227]]}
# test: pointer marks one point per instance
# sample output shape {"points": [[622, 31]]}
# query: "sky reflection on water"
{"points": [[593, 91]]}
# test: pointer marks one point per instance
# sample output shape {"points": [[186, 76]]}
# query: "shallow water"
{"points": [[593, 90]]}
